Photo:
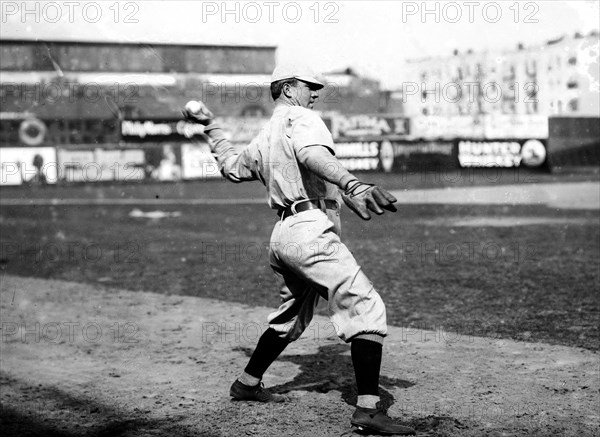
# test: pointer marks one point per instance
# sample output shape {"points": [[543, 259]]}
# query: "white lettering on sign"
{"points": [[143, 129], [489, 154], [426, 148], [356, 150], [188, 130], [360, 163], [359, 125]]}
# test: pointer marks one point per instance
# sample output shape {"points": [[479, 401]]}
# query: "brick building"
{"points": [[558, 78]]}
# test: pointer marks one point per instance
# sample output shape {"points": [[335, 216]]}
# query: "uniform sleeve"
{"points": [[237, 164], [243, 166], [310, 130]]}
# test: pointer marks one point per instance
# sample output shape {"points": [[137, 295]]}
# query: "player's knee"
{"points": [[291, 331]]}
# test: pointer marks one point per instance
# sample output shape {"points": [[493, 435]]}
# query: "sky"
{"points": [[374, 37]]}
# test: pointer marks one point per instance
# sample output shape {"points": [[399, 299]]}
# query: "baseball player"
{"points": [[294, 157]]}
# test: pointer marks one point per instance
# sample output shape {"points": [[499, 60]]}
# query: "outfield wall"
{"points": [[574, 142], [59, 151]]}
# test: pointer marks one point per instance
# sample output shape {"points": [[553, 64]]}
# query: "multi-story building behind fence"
{"points": [[559, 78], [84, 112]]}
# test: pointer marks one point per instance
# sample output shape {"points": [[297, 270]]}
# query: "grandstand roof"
{"points": [[131, 43]]}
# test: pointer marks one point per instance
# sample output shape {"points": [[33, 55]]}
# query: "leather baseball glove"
{"points": [[362, 198]]}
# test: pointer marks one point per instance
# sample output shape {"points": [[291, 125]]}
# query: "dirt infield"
{"points": [[87, 360]]}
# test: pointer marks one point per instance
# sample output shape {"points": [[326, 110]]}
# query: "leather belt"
{"points": [[306, 205]]}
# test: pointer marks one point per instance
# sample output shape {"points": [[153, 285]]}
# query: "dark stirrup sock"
{"points": [[366, 359], [269, 346]]}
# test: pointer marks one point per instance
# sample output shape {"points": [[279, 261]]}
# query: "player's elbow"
{"points": [[230, 175], [233, 178], [316, 152]]}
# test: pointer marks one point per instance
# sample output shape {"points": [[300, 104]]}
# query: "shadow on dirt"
{"points": [[36, 410], [331, 369]]}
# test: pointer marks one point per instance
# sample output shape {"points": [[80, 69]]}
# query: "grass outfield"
{"points": [[438, 267]]}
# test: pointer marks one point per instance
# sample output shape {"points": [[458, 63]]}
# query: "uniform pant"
{"points": [[308, 256]]}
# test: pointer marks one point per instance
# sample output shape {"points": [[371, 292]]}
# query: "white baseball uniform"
{"points": [[305, 249]]}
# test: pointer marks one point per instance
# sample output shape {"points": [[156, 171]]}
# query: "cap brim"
{"points": [[311, 80]]}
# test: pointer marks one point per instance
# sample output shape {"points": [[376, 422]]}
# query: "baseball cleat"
{"points": [[243, 392], [375, 420]]}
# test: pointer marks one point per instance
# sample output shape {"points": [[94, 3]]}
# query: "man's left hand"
{"points": [[362, 198]]}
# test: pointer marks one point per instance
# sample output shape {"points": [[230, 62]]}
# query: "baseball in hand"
{"points": [[193, 107]]}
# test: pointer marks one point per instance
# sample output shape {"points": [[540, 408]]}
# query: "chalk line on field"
{"points": [[577, 195]]}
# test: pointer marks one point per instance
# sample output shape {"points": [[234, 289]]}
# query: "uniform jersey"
{"points": [[272, 157], [305, 250]]}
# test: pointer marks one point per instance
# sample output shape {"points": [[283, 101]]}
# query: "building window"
{"points": [[16, 57], [573, 60], [573, 105], [572, 84]]}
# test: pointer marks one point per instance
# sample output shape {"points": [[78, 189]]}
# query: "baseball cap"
{"points": [[289, 71]]}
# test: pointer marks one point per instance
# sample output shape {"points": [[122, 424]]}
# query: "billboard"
{"points": [[424, 155], [159, 162], [366, 155], [28, 165], [522, 126], [158, 130], [99, 165], [347, 127], [502, 153], [445, 127], [198, 162], [239, 130], [489, 126]]}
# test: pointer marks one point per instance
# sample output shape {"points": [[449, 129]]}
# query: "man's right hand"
{"points": [[361, 198], [197, 112]]}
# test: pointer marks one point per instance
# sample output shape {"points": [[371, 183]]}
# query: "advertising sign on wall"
{"points": [[518, 126], [445, 127], [156, 130], [424, 155], [360, 126], [236, 129], [406, 149], [160, 162], [490, 126], [28, 165], [366, 155], [507, 153], [101, 165], [358, 155], [198, 162], [163, 162]]}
